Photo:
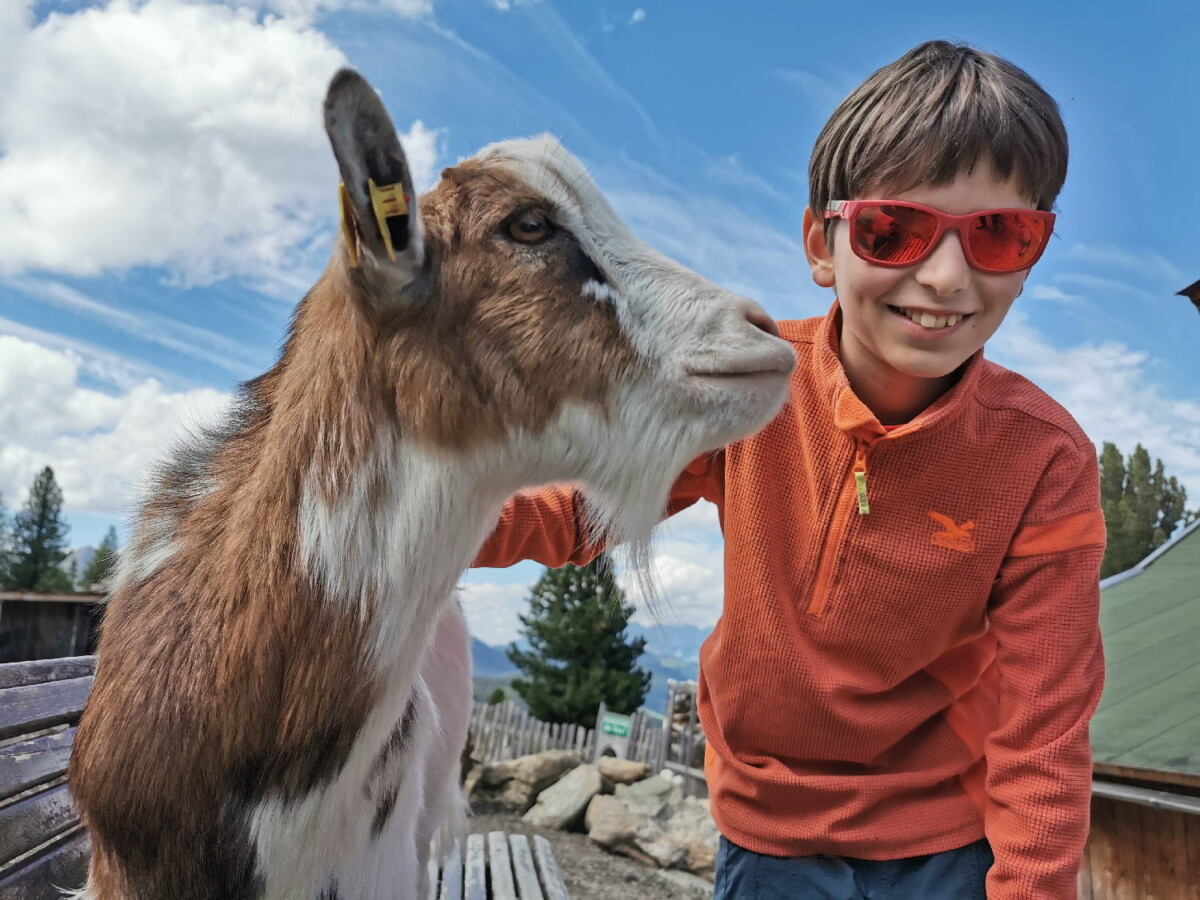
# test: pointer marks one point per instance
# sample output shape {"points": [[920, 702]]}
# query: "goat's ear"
{"points": [[379, 206]]}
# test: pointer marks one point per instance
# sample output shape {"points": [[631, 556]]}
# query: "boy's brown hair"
{"points": [[933, 113]]}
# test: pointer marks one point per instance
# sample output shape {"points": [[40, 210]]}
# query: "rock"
{"points": [[614, 826], [622, 771], [692, 828], [514, 784], [651, 796], [562, 805], [653, 822]]}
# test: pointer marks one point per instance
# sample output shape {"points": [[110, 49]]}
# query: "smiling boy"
{"points": [[897, 695]]}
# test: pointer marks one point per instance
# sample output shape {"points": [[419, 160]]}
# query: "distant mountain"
{"points": [[660, 669], [488, 661], [81, 557], [492, 669], [679, 641]]}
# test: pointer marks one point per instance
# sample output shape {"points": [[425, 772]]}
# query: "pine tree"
{"points": [[580, 654], [1142, 507], [5, 544], [40, 539], [498, 696], [102, 562]]}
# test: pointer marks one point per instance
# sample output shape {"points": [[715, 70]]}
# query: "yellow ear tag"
{"points": [[349, 232], [388, 202]]}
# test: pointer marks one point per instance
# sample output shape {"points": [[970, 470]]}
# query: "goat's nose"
{"points": [[757, 316]]}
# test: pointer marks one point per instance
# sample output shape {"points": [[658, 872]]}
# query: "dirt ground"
{"points": [[592, 873]]}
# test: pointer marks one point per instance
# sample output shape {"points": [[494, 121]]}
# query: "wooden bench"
{"points": [[42, 845], [44, 848], [499, 866]]}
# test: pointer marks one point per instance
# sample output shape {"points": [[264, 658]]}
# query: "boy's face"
{"points": [[880, 344]]}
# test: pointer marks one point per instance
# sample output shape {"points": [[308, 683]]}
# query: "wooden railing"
{"points": [[506, 731]]}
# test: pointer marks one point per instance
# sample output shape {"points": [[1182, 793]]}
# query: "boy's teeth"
{"points": [[929, 320]]}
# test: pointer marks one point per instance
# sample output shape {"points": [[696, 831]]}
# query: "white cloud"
{"points": [[638, 15], [1107, 389], [165, 133], [1146, 265], [98, 443], [198, 343], [823, 91], [99, 364], [1048, 292], [492, 608], [309, 9]]}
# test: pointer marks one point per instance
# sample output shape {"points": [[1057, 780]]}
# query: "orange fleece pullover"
{"points": [[909, 652]]}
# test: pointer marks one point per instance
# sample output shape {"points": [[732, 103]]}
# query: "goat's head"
{"points": [[514, 312]]}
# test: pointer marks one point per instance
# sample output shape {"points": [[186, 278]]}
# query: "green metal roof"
{"points": [[1149, 716]]}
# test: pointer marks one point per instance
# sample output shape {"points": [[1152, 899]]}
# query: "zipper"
{"points": [[859, 470], [852, 496]]}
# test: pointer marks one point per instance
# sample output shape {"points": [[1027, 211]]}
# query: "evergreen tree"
{"points": [[580, 654], [5, 544], [1142, 507], [102, 562], [498, 696], [40, 539]]}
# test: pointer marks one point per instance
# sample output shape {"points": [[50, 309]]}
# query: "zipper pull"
{"points": [[860, 480]]}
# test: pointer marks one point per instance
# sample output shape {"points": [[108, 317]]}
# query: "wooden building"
{"points": [[1145, 837], [44, 626]]}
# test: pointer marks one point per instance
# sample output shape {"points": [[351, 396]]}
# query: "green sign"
{"points": [[615, 724]]}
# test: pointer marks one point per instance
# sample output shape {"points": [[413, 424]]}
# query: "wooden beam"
{"points": [[1157, 799]]}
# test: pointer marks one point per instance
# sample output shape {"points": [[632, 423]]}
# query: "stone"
{"points": [[651, 796], [514, 784], [612, 825], [622, 771], [653, 822], [692, 828], [562, 805]]}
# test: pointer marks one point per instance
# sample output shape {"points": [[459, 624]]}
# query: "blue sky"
{"points": [[166, 196]]}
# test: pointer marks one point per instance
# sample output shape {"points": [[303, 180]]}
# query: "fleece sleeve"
{"points": [[1045, 614], [547, 526]]}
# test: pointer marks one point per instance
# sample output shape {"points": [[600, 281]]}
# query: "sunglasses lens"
{"points": [[1006, 242], [892, 234]]}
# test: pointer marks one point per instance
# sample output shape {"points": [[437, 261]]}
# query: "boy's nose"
{"points": [[945, 271]]}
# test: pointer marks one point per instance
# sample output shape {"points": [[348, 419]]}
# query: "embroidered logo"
{"points": [[953, 536]]}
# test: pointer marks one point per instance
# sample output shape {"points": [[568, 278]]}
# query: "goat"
{"points": [[284, 672]]}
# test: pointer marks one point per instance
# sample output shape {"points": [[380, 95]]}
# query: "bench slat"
{"points": [[62, 864], [39, 671], [452, 874], [523, 869], [475, 870], [552, 880], [35, 706], [35, 820], [500, 866], [29, 763]]}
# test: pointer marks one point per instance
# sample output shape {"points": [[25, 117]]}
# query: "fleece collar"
{"points": [[852, 416]]}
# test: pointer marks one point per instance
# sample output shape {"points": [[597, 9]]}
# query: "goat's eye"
{"points": [[530, 227]]}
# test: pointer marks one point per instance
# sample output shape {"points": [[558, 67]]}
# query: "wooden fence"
{"points": [[506, 731]]}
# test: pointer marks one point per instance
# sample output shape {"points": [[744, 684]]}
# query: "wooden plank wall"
{"points": [[1135, 852]]}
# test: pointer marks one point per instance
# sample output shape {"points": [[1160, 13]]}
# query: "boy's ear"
{"points": [[820, 258]]}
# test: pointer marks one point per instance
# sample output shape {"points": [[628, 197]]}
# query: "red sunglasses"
{"points": [[898, 233]]}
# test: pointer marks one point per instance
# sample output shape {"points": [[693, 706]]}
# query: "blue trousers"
{"points": [[960, 874]]}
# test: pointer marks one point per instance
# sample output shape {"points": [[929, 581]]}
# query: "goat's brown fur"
{"points": [[225, 673]]}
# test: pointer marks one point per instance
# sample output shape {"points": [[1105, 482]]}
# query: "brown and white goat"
{"points": [[284, 676]]}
